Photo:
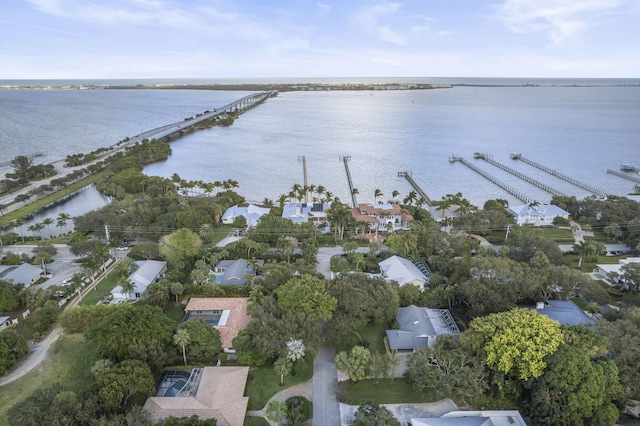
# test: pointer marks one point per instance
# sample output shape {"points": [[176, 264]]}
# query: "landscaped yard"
{"points": [[559, 235], [101, 290], [263, 382], [68, 363], [384, 392]]}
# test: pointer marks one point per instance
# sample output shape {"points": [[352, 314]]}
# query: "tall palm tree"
{"points": [[62, 219], [295, 352], [182, 339], [206, 231], [125, 266], [376, 194], [47, 221], [127, 286], [18, 223], [282, 367]]}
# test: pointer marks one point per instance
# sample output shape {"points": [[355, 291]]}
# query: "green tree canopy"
{"points": [[517, 341], [180, 247], [122, 381], [373, 414], [205, 339], [128, 328], [12, 347], [306, 295], [8, 296]]}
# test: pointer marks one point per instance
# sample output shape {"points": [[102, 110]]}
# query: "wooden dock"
{"points": [[354, 199], [626, 176], [415, 186], [519, 195], [490, 160], [599, 193]]}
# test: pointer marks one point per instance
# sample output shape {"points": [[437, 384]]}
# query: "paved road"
{"points": [[326, 408]]}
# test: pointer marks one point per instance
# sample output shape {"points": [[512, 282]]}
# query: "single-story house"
{"points": [[403, 271], [148, 271], [606, 269], [251, 213], [307, 212], [565, 312], [25, 274], [227, 314], [473, 418], [209, 393], [537, 214], [5, 322], [232, 272], [382, 216], [419, 327]]}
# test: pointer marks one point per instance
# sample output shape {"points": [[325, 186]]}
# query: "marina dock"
{"points": [[415, 186], [516, 156], [519, 195], [626, 176]]}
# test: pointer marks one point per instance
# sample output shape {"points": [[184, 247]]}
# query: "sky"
{"points": [[101, 39]]}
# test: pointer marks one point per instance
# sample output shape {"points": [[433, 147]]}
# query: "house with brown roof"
{"points": [[381, 217], [209, 393], [228, 315]]}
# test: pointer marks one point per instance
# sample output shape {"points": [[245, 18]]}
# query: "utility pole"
{"points": [[304, 173]]}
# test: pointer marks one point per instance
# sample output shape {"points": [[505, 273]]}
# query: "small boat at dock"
{"points": [[628, 167]]}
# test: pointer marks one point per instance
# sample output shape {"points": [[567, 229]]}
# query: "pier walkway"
{"points": [[519, 195], [624, 176], [490, 160], [415, 186], [516, 156], [354, 199]]}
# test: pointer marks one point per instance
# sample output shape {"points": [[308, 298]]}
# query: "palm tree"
{"points": [[282, 367], [101, 253], [377, 193], [182, 339], [127, 286], [62, 219], [206, 231], [125, 266], [295, 352], [583, 249], [176, 289], [18, 223], [48, 222], [394, 194], [276, 411]]}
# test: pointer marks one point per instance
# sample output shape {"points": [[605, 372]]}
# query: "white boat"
{"points": [[628, 167]]}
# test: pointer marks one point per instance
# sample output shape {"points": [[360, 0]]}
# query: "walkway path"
{"points": [[301, 389]]}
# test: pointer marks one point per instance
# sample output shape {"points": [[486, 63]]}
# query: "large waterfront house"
{"points": [[403, 271], [419, 327], [537, 214], [226, 314], [24, 274], [251, 213], [382, 217], [147, 272], [209, 393], [307, 212]]}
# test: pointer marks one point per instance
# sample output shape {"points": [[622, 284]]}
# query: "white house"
{"points": [[148, 271], [606, 269], [24, 274], [251, 212], [537, 214], [403, 271], [307, 212], [382, 216]]}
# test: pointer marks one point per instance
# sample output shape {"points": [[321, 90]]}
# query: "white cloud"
{"points": [[369, 18], [561, 19], [113, 12], [323, 9]]}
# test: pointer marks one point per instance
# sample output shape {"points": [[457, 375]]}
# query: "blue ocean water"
{"points": [[580, 128]]}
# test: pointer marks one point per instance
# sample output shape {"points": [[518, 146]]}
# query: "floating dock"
{"points": [[490, 160], [354, 199], [519, 195], [626, 176], [415, 186], [516, 156]]}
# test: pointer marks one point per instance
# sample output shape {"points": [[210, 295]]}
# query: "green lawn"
{"points": [[559, 235], [384, 392], [175, 312], [68, 362], [255, 421], [263, 382], [101, 290]]}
